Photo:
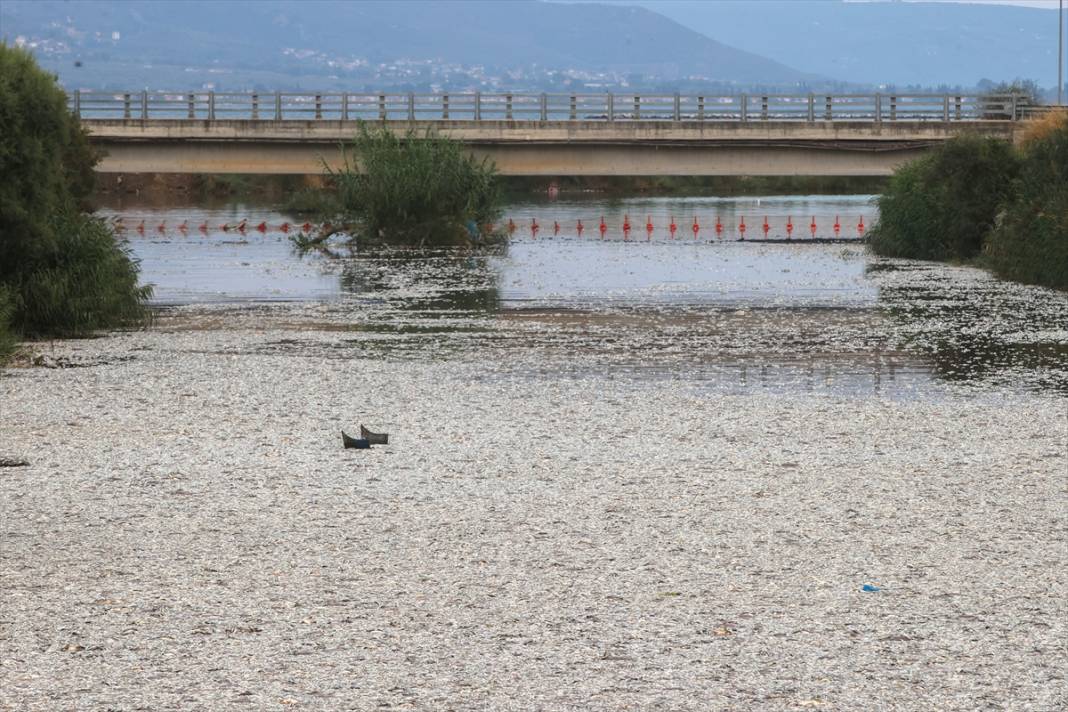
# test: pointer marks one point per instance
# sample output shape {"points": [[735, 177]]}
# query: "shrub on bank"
{"points": [[87, 281], [942, 206], [1030, 241], [64, 274], [413, 188]]}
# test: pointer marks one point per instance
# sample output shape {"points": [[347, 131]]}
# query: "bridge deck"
{"points": [[534, 147]]}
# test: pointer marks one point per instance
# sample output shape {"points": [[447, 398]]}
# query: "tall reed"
{"points": [[414, 188]]}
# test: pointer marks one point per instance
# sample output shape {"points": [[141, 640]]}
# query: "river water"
{"points": [[701, 306]]}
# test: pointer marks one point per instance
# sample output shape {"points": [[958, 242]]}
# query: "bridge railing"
{"points": [[528, 106]]}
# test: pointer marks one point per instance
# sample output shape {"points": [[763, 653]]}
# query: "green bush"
{"points": [[1030, 241], [63, 273], [414, 188], [941, 206], [89, 282]]}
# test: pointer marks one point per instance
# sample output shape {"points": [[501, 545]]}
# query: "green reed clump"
{"points": [[87, 281], [62, 272], [943, 205], [414, 188], [1030, 240]]}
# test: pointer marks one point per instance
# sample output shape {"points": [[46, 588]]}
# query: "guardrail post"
{"points": [[945, 107], [78, 104], [191, 99], [763, 108], [382, 107], [829, 111], [508, 106], [811, 107], [957, 112], [444, 106], [678, 107], [572, 113], [344, 106], [318, 106], [700, 108], [637, 107], [878, 108], [411, 106], [1013, 117], [543, 103], [125, 106], [278, 106], [744, 106], [893, 108], [478, 106], [211, 106], [611, 107], [144, 104], [255, 106]]}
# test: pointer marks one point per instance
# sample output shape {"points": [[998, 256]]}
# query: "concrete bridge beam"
{"points": [[538, 148]]}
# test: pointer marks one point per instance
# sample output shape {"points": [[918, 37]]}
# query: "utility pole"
{"points": [[1060, 54]]}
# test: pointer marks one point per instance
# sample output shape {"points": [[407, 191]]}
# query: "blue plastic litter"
{"points": [[869, 587]]}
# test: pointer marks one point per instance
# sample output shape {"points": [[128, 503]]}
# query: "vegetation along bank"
{"points": [[985, 201], [62, 271]]}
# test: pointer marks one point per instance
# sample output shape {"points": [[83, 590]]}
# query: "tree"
{"points": [[62, 272]]}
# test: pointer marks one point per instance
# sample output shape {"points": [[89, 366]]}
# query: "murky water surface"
{"points": [[699, 308]]}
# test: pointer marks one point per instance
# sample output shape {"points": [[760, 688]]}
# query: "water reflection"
{"points": [[435, 281]]}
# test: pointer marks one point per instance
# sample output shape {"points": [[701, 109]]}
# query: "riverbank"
{"points": [[190, 533], [164, 189]]}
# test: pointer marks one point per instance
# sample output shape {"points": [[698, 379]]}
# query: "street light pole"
{"points": [[1060, 54]]}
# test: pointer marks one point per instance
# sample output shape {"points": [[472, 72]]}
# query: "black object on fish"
{"points": [[374, 438], [354, 443]]}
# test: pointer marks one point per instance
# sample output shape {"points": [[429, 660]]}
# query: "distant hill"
{"points": [[883, 42], [292, 44]]}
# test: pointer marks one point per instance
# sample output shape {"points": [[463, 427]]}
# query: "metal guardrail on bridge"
{"points": [[288, 106]]}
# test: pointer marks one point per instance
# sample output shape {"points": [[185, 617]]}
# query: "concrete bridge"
{"points": [[541, 135]]}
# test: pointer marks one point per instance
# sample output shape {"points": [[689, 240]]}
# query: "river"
{"points": [[700, 306], [638, 472]]}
